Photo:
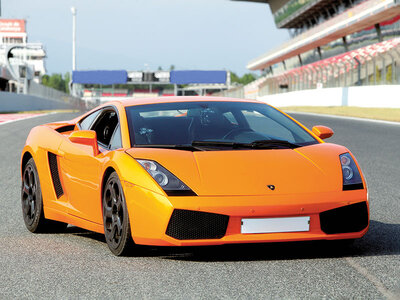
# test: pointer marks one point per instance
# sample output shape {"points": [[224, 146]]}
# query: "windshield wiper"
{"points": [[273, 143], [261, 144], [205, 145], [176, 147], [214, 144]]}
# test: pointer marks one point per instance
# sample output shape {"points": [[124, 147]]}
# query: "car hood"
{"points": [[314, 168]]}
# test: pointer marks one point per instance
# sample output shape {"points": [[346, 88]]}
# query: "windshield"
{"points": [[217, 123]]}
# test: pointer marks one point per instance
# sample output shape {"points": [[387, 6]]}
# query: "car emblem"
{"points": [[271, 187]]}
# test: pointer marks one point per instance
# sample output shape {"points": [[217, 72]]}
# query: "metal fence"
{"points": [[45, 92]]}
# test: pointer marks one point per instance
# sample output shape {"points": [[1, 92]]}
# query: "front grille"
{"points": [[195, 225], [349, 218], [55, 176]]}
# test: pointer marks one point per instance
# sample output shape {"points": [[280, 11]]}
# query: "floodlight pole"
{"points": [[73, 10]]}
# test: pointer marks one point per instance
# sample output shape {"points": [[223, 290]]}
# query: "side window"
{"points": [[116, 141], [105, 126], [87, 121]]}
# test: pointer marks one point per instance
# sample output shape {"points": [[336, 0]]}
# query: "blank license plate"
{"points": [[271, 225]]}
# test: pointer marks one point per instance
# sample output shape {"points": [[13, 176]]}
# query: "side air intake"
{"points": [[348, 218], [195, 225], [53, 163]]}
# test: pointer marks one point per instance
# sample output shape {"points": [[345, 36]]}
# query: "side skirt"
{"points": [[56, 215]]}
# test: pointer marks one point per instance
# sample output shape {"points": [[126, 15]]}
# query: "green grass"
{"points": [[386, 114]]}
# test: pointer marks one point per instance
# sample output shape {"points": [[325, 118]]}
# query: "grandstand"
{"points": [[333, 43]]}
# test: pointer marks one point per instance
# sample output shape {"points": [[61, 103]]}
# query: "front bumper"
{"points": [[151, 215]]}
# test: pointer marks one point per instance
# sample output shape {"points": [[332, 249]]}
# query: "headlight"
{"points": [[171, 184], [351, 175]]}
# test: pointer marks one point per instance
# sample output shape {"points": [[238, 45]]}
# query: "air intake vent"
{"points": [[349, 218], [66, 128], [195, 225], [55, 175]]}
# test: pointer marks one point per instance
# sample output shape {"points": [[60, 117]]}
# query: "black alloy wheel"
{"points": [[32, 203], [115, 218]]}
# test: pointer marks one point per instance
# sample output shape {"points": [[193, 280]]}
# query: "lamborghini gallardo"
{"points": [[191, 171]]}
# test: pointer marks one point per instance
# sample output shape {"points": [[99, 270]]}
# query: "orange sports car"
{"points": [[187, 171]]}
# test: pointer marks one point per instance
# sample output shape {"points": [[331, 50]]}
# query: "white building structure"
{"points": [[21, 59]]}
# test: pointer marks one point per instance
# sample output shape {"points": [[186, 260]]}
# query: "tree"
{"points": [[245, 79], [56, 81], [45, 80], [234, 78], [67, 79]]}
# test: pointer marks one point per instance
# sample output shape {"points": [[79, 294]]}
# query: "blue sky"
{"points": [[127, 34]]}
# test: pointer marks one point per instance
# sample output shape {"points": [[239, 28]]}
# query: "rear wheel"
{"points": [[115, 218], [32, 203]]}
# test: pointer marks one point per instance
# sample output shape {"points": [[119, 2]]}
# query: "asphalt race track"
{"points": [[78, 264]]}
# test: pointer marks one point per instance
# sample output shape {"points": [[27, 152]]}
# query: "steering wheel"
{"points": [[106, 133], [235, 131]]}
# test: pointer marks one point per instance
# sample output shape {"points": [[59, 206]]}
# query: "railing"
{"points": [[353, 69], [42, 91]]}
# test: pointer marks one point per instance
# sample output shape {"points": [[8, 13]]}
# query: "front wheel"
{"points": [[115, 218], [32, 203]]}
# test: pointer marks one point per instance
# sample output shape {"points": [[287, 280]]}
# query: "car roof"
{"points": [[174, 99]]}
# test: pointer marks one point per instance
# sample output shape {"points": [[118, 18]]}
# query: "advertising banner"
{"points": [[12, 25], [143, 77]]}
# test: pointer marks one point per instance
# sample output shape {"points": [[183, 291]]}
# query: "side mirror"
{"points": [[322, 132], [85, 137]]}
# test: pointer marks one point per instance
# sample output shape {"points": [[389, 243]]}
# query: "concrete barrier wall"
{"points": [[11, 102], [387, 96]]}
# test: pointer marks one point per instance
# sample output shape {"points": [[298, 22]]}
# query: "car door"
{"points": [[81, 168]]}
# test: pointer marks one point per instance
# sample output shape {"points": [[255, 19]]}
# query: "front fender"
{"points": [[129, 170]]}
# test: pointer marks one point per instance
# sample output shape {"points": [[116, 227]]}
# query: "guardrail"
{"points": [[12, 102], [38, 90], [39, 97]]}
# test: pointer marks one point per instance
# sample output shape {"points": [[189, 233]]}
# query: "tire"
{"points": [[117, 229], [32, 203]]}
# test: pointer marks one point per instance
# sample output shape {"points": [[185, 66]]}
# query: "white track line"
{"points": [[344, 117], [375, 281], [30, 117]]}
